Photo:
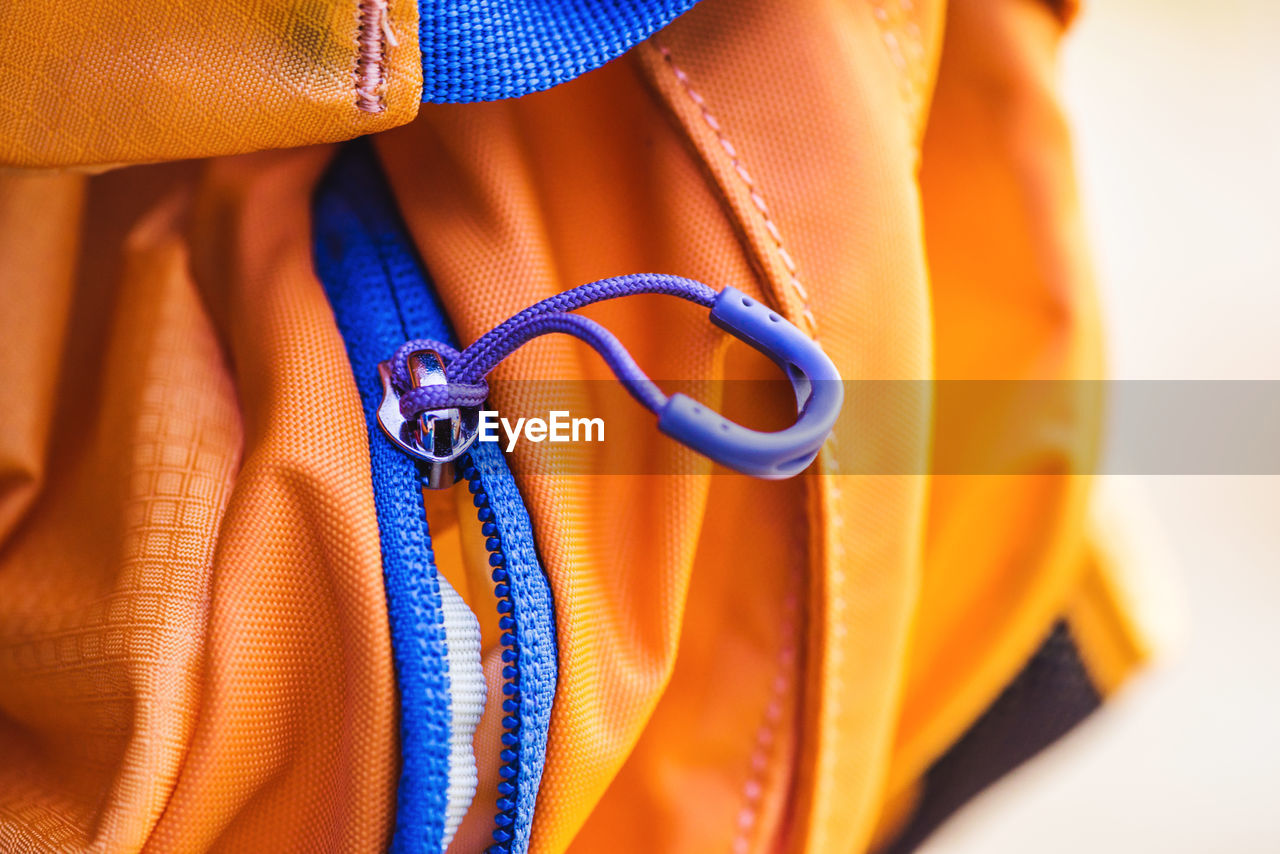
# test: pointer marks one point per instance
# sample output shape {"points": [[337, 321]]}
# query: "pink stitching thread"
{"points": [[902, 51], [754, 787], [375, 34], [830, 463], [756, 198]]}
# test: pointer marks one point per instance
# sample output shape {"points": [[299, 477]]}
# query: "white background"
{"points": [[1176, 111]]}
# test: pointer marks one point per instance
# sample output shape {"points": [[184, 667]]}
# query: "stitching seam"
{"points": [[829, 462], [372, 39], [765, 734], [830, 465], [756, 198], [902, 38]]}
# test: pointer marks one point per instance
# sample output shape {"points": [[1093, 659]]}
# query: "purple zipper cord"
{"points": [[466, 370]]}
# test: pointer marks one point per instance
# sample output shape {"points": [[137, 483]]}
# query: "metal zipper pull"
{"points": [[437, 437]]}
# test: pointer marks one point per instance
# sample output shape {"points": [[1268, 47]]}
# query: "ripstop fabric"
{"points": [[194, 651], [93, 84]]}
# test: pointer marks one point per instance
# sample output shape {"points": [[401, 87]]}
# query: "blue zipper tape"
{"points": [[381, 296]]}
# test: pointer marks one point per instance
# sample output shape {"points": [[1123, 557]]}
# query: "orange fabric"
{"points": [[91, 83], [1003, 553], [594, 179], [918, 613], [193, 643], [1111, 645], [618, 629], [193, 640]]}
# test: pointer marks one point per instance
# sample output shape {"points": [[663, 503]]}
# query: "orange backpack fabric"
{"points": [[194, 652]]}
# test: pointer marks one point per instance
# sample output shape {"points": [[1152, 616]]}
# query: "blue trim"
{"points": [[357, 261], [381, 297], [485, 50], [535, 633]]}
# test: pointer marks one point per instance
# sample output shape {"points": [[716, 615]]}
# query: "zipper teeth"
{"points": [[505, 818]]}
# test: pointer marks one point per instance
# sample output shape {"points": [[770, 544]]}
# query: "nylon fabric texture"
{"points": [[93, 84], [194, 651], [683, 160], [208, 79], [493, 49], [194, 644]]}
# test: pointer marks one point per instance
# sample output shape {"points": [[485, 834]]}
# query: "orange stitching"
{"points": [[373, 37], [756, 198]]}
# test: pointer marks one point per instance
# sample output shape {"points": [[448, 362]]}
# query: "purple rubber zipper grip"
{"points": [[785, 453]]}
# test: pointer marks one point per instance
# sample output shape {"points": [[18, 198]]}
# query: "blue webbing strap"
{"points": [[485, 50]]}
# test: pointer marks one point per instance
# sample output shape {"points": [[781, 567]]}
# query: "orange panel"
{"points": [[91, 83]]}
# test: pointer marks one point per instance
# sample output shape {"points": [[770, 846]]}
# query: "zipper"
{"points": [[509, 770], [381, 296], [439, 442], [422, 406], [432, 394]]}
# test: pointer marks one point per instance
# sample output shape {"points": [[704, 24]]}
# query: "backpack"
{"points": [[236, 615]]}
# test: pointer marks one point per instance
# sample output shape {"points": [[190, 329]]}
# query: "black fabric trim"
{"points": [[1048, 698]]}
